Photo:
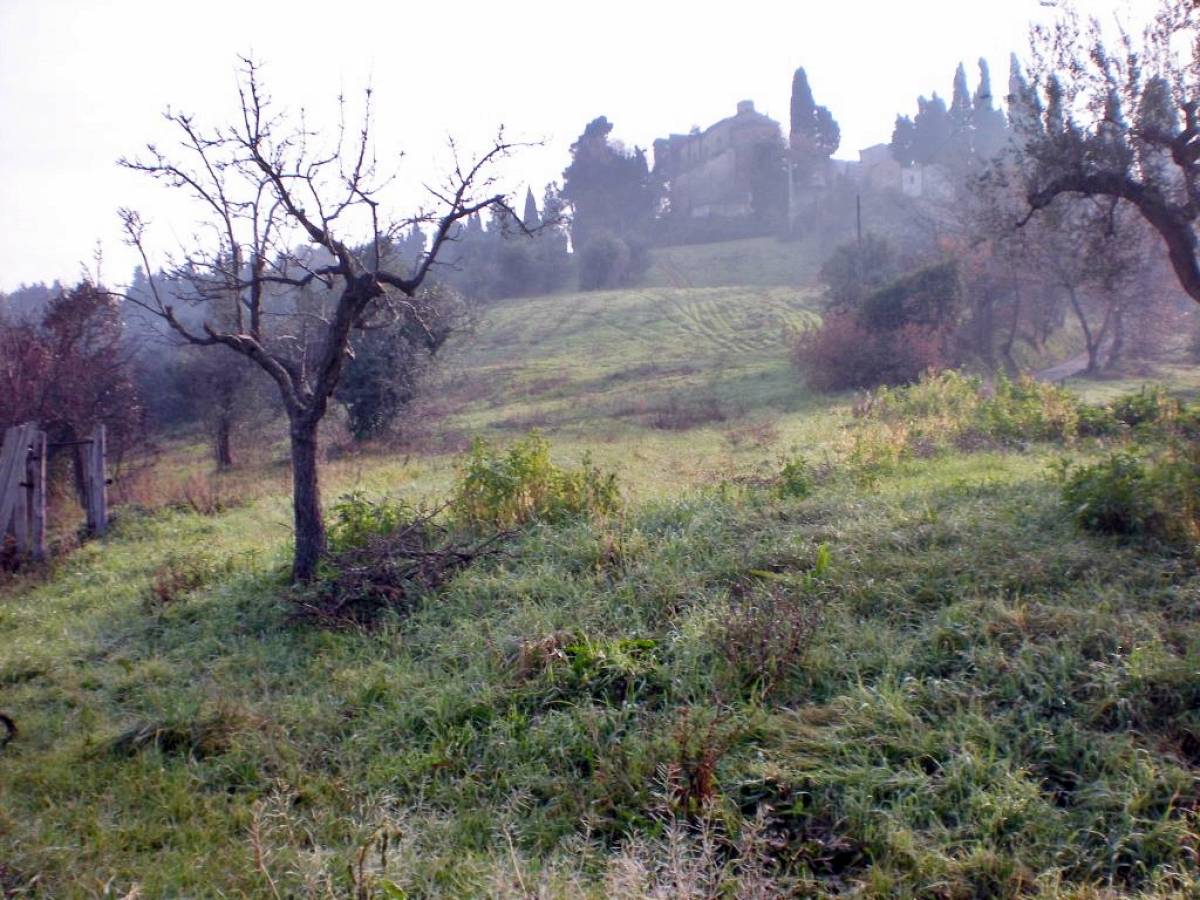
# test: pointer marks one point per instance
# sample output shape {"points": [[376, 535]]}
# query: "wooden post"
{"points": [[97, 483], [13, 456], [20, 513], [37, 494]]}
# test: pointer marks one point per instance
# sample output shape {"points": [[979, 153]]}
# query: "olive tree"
{"points": [[1117, 118], [288, 211]]}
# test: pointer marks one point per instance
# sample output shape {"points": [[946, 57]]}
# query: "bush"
{"points": [[1129, 494], [1152, 405], [1109, 496], [507, 490], [795, 479], [843, 353], [933, 408], [857, 268], [1027, 409], [356, 518], [606, 261], [889, 336], [1151, 408]]}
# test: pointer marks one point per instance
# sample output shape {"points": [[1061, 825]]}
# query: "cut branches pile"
{"points": [[395, 571]]}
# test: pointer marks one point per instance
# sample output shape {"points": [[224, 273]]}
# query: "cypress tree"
{"points": [[931, 130], [991, 128], [813, 128], [904, 141], [530, 218], [1024, 108], [960, 102]]}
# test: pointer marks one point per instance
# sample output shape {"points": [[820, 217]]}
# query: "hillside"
{"points": [[751, 261], [913, 677]]}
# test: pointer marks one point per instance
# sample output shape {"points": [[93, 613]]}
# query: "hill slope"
{"points": [[915, 681]]}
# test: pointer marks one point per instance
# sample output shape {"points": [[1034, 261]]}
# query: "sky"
{"points": [[85, 82]]}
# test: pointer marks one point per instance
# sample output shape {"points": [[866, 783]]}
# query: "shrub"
{"points": [[795, 479], [1152, 405], [930, 297], [1109, 496], [843, 353], [1150, 410], [857, 268], [1099, 421], [1027, 409], [504, 490], [604, 262], [1133, 495], [770, 626], [933, 410], [889, 336], [356, 518]]}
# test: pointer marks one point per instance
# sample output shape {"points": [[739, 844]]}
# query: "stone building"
{"points": [[876, 168], [708, 173]]}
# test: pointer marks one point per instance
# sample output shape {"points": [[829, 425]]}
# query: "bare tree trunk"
{"points": [[306, 501], [1093, 343], [1006, 349], [224, 450], [1116, 350]]}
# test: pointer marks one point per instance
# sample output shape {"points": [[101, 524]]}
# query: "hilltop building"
{"points": [[708, 173]]}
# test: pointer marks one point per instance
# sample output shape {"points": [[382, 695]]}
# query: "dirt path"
{"points": [[1064, 370]]}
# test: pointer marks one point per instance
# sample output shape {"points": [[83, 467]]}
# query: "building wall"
{"points": [[708, 173]]}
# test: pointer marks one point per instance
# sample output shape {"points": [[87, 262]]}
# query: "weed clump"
{"points": [[199, 738], [612, 671], [769, 628], [182, 574], [506, 490]]}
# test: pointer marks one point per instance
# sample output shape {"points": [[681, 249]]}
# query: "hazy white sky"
{"points": [[83, 82]]}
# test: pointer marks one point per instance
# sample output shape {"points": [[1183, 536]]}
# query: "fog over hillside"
{"points": [[83, 84]]}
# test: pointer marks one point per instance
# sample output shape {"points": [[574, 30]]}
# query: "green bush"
{"points": [[1099, 421], [1127, 493], [795, 479], [1028, 409], [505, 490], [1148, 412], [934, 410], [1152, 405], [356, 518], [1109, 496]]}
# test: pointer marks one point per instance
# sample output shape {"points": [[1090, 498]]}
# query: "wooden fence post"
{"points": [[36, 477], [14, 454], [20, 513], [96, 478]]}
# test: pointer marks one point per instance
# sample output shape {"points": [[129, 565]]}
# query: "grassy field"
{"points": [[751, 261], [920, 679]]}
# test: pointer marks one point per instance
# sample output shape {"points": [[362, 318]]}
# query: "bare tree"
{"points": [[1122, 121], [285, 214]]}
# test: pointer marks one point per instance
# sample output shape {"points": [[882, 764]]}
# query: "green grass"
{"points": [[926, 682], [992, 701], [751, 261]]}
